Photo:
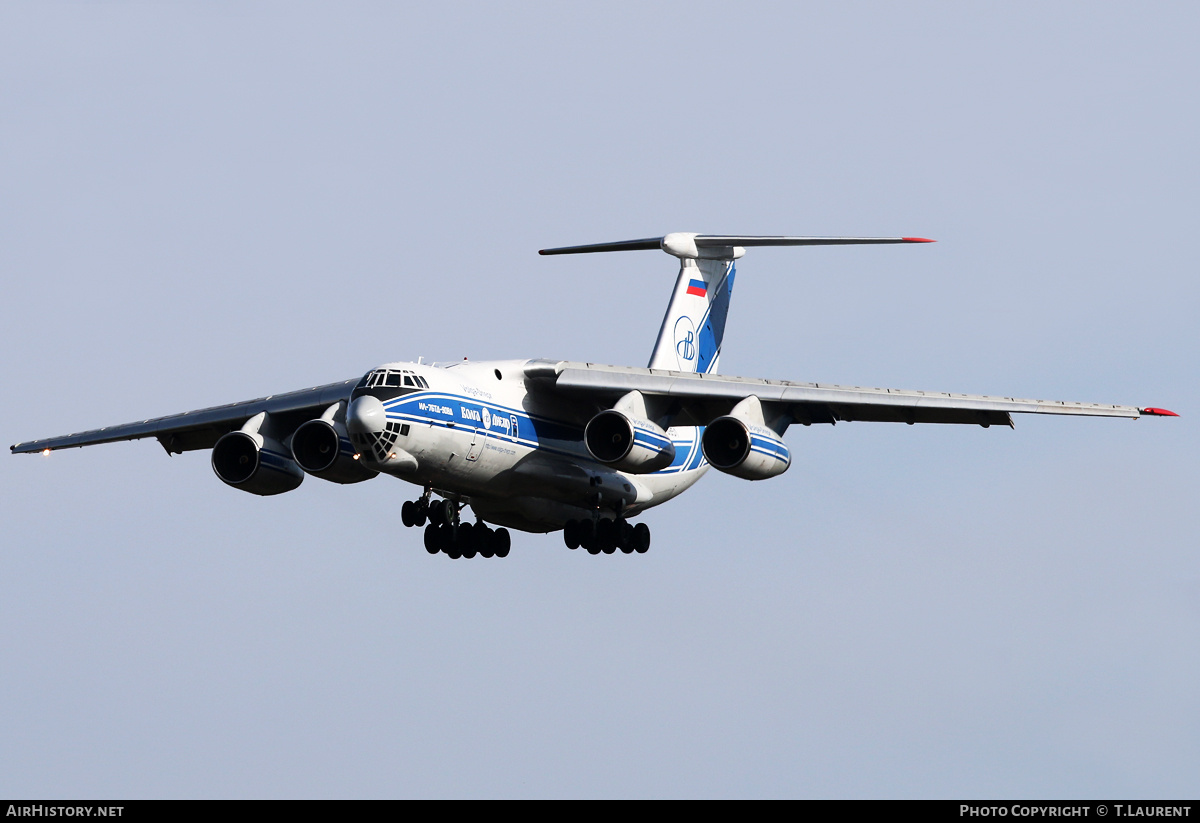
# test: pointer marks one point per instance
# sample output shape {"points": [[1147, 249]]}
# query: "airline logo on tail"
{"points": [[685, 342]]}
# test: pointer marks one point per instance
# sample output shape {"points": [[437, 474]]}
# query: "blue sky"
{"points": [[211, 202]]}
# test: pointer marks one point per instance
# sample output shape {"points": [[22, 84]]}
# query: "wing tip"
{"points": [[1157, 412], [917, 240]]}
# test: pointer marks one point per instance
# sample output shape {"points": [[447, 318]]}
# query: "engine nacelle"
{"points": [[250, 462], [742, 445], [628, 443], [322, 448]]}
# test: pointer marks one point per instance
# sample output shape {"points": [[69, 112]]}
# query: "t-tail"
{"points": [[694, 325]]}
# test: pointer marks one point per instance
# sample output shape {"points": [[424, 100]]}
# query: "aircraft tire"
{"points": [[466, 539], [606, 535], [503, 542], [641, 538], [433, 542], [437, 512], [406, 514], [624, 536], [485, 540], [571, 534]]}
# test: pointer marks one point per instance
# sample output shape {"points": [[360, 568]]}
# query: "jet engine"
{"points": [[628, 444], [322, 448], [252, 462], [741, 444]]}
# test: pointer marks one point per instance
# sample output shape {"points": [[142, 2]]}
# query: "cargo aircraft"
{"points": [[544, 445]]}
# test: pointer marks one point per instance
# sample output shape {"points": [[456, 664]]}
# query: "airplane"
{"points": [[548, 445]]}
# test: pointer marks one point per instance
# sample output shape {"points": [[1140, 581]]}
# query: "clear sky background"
{"points": [[203, 203]]}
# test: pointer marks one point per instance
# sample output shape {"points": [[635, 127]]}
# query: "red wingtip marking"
{"points": [[917, 240], [1159, 412]]}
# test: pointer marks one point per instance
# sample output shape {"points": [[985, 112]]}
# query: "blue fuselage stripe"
{"points": [[452, 411]]}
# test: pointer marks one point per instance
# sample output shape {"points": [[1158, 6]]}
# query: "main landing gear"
{"points": [[446, 534], [607, 535]]}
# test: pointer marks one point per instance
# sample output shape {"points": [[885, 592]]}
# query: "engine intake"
{"points": [[323, 449], [628, 444], [741, 444], [253, 463]]}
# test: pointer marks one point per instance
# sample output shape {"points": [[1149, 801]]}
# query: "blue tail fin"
{"points": [[694, 325]]}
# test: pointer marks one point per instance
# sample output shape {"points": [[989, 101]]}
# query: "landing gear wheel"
{"points": [[420, 511], [587, 536], [571, 533], [451, 542], [437, 512], [484, 539], [433, 542], [624, 536], [606, 536], [641, 538], [502, 541], [407, 515], [466, 539]]}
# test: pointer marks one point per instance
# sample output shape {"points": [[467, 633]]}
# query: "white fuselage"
{"points": [[473, 432]]}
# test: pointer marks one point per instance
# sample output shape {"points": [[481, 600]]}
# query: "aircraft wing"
{"points": [[697, 399], [202, 428]]}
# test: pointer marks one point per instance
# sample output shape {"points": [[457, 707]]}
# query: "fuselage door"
{"points": [[476, 446]]}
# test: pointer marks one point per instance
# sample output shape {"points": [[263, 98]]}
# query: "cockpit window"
{"points": [[392, 379]]}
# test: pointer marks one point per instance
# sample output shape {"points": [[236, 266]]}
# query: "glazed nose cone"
{"points": [[365, 416]]}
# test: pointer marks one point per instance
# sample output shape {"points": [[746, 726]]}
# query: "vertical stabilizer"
{"points": [[694, 325], [692, 330]]}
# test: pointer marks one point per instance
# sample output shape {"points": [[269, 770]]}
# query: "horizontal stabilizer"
{"points": [[712, 241], [649, 244]]}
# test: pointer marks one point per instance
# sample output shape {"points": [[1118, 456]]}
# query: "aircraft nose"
{"points": [[365, 416]]}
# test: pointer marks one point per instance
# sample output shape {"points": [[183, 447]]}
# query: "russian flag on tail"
{"points": [[697, 288]]}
